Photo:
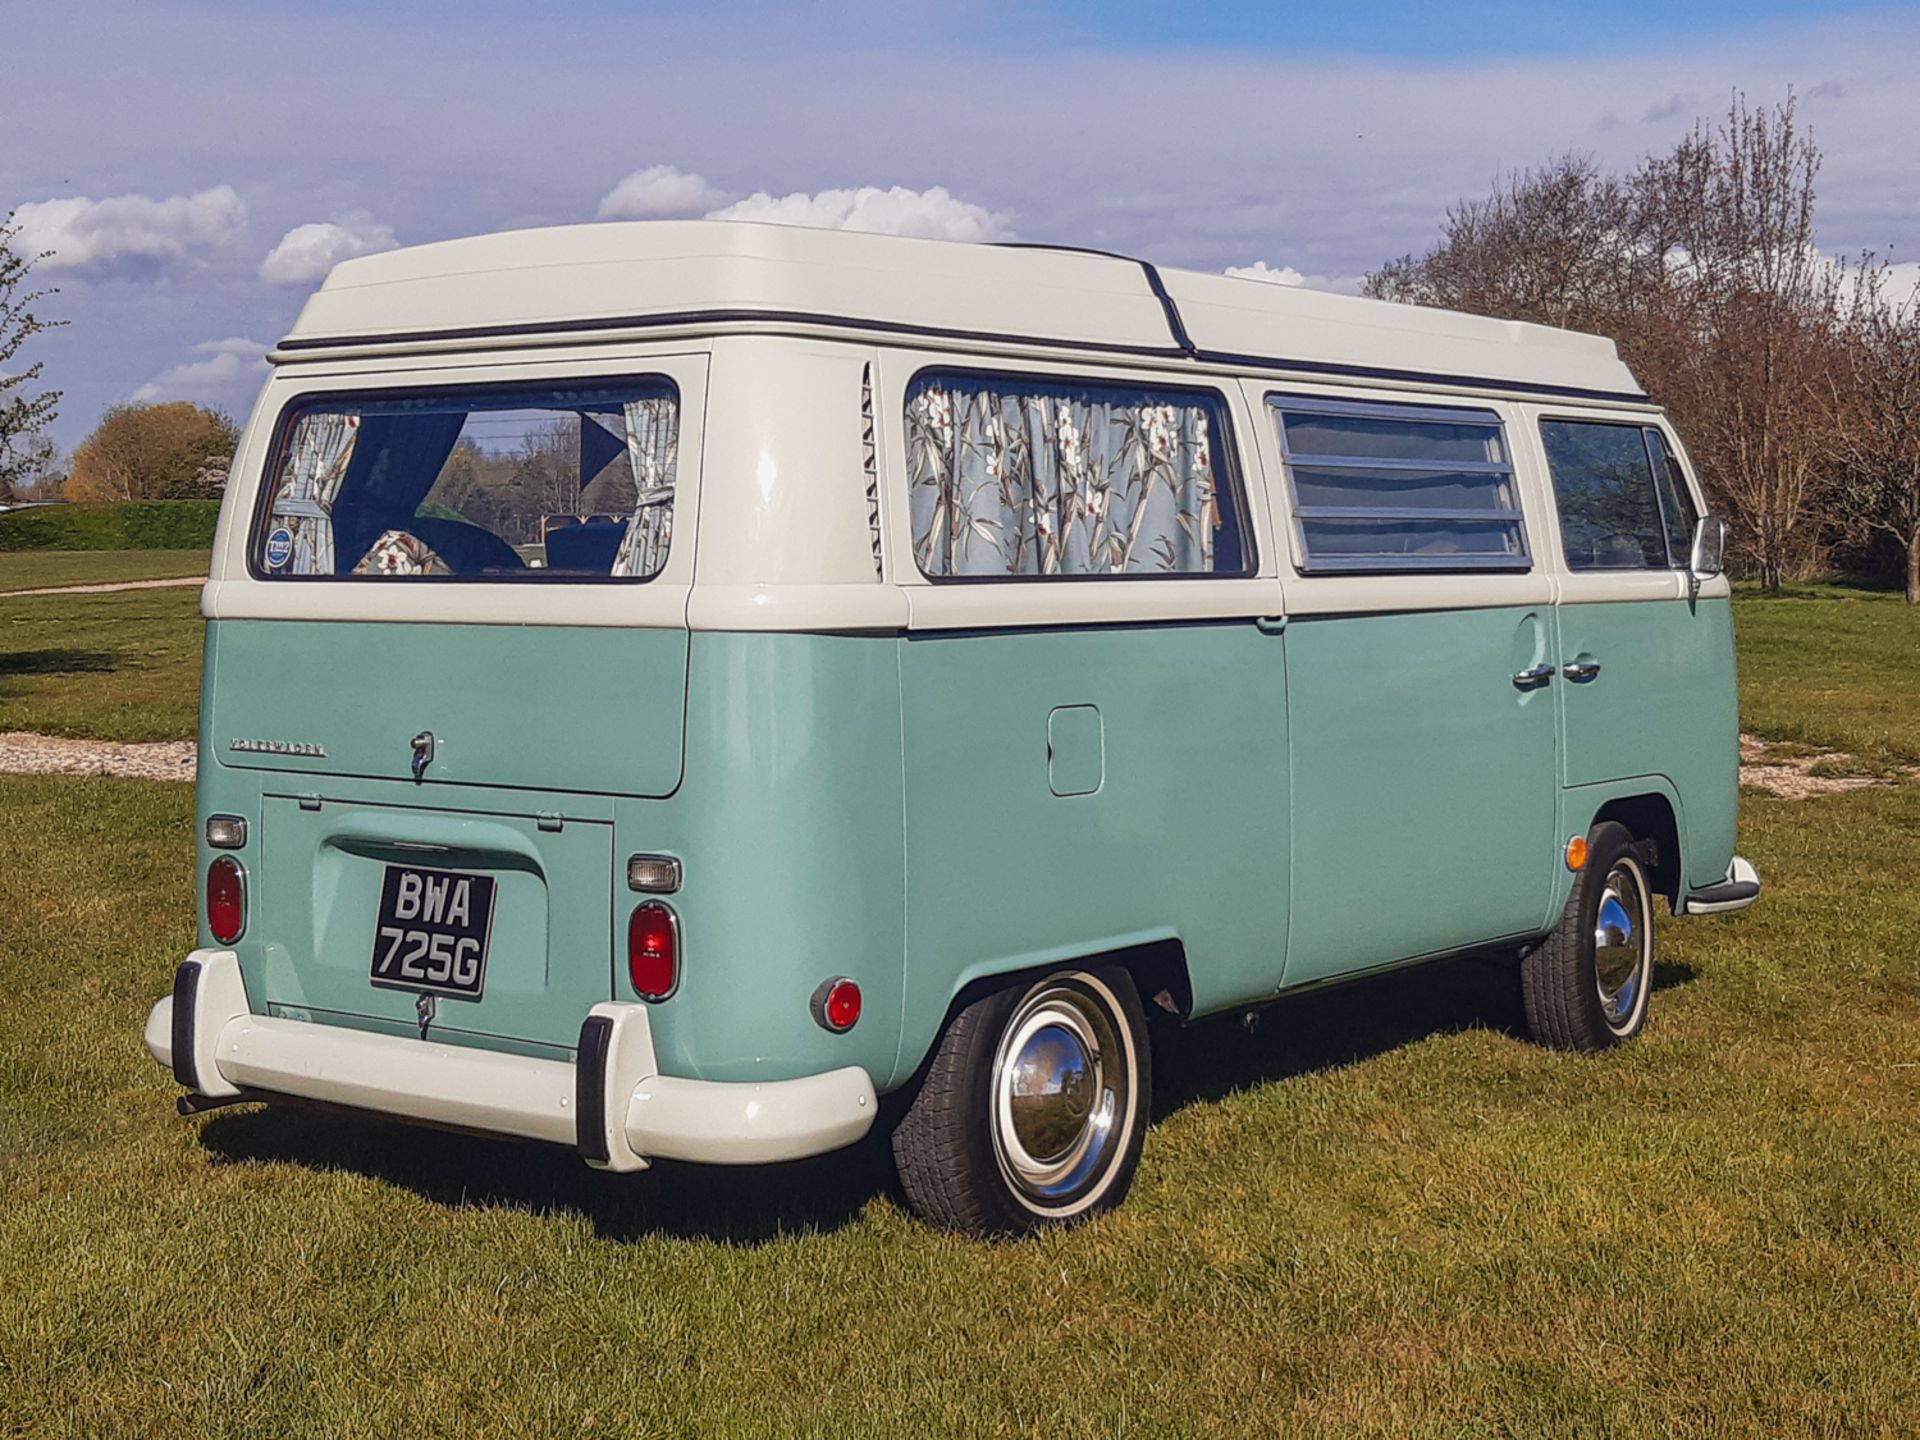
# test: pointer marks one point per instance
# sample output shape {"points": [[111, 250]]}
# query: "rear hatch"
{"points": [[533, 896], [505, 835]]}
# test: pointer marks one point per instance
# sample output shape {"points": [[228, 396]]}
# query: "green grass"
{"points": [[35, 569], [1380, 1214], [119, 666], [1832, 672]]}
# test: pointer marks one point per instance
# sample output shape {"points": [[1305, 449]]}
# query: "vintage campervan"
{"points": [[671, 686]]}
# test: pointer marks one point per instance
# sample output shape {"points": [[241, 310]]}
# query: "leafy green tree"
{"points": [[23, 413]]}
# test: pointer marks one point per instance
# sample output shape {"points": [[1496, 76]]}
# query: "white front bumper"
{"points": [[613, 1106]]}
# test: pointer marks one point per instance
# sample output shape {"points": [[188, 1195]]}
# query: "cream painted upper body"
{"points": [[777, 336]]}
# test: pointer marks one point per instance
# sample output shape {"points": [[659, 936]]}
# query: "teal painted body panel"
{"points": [[568, 708], [1664, 705], [1185, 837], [789, 826], [1424, 785], [921, 812]]}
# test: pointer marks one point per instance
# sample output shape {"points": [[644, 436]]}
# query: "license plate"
{"points": [[432, 931]]}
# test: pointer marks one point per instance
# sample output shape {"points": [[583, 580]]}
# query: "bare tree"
{"points": [[1701, 265], [1876, 439], [1733, 209], [22, 414]]}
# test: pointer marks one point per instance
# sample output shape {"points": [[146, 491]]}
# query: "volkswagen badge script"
{"points": [[280, 747]]}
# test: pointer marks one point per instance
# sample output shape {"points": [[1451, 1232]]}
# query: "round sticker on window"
{"points": [[279, 547]]}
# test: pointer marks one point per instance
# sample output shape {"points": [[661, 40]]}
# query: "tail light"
{"points": [[226, 899], [653, 951]]}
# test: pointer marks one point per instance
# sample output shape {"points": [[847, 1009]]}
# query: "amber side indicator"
{"points": [[1577, 853]]}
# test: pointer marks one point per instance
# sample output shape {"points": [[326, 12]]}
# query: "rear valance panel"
{"points": [[584, 709]]}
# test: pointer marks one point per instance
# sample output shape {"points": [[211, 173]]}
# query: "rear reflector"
{"points": [[226, 899], [653, 951], [836, 1004]]}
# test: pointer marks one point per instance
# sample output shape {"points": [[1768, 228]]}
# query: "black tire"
{"points": [[965, 1149], [1579, 995]]}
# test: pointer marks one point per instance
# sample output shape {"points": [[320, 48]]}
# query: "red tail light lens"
{"points": [[653, 951], [226, 899], [836, 1004]]}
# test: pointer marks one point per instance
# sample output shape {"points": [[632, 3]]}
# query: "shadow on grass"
{"points": [[57, 662], [750, 1205]]}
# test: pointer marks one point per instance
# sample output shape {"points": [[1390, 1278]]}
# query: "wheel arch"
{"points": [[1158, 968], [1651, 817]]}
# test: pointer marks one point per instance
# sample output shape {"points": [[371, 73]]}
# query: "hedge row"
{"points": [[137, 525]]}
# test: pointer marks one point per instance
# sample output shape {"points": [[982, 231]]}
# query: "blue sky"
{"points": [[196, 165]]}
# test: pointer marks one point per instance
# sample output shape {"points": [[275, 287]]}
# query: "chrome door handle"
{"points": [[1534, 678], [1580, 670]]}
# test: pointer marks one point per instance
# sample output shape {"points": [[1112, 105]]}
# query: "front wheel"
{"points": [[1033, 1109], [1586, 986]]}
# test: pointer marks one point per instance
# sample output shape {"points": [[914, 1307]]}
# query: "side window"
{"points": [[1400, 487], [1015, 477], [1676, 501], [1609, 495]]}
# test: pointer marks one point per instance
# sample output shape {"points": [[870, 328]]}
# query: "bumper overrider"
{"points": [[611, 1104]]}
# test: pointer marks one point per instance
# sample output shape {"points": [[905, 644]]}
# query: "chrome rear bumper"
{"points": [[611, 1104]]}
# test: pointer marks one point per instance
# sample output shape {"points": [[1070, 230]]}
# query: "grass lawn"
{"points": [[1380, 1214], [119, 666], [33, 569]]}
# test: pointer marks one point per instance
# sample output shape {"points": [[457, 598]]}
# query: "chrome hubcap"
{"points": [[1061, 1096], [1622, 952]]}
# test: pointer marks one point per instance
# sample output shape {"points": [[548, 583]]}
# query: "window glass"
{"points": [[1400, 487], [523, 484], [1676, 500], [1604, 483], [1011, 476]]}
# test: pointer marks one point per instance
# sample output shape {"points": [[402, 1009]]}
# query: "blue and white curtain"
{"points": [[1053, 483], [316, 464], [653, 450]]}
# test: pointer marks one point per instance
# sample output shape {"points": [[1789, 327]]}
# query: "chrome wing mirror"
{"points": [[1709, 557]]}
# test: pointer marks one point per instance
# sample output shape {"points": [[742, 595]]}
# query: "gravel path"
{"points": [[25, 754], [116, 585]]}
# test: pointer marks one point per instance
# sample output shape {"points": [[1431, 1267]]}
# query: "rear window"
{"points": [[548, 483]]}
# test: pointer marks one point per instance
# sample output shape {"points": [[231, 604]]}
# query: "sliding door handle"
{"points": [[1534, 678], [1270, 624], [1580, 671]]}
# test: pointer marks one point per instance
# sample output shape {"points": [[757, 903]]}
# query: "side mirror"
{"points": [[1709, 556]]}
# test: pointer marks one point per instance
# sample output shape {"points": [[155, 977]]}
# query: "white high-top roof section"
{"points": [[597, 275]]}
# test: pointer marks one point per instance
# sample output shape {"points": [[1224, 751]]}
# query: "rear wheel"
{"points": [[1033, 1108], [1586, 986]]}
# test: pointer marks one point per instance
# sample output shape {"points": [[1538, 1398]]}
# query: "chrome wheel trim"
{"points": [[1063, 1099], [1623, 945]]}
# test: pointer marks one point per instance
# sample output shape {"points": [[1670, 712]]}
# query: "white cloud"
{"points": [[1903, 282], [307, 252], [659, 191], [1287, 275], [224, 365], [1260, 270], [83, 233], [933, 214]]}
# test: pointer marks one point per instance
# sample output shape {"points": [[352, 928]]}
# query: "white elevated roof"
{"points": [[616, 277]]}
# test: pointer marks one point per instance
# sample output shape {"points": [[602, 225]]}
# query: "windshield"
{"points": [[528, 483]]}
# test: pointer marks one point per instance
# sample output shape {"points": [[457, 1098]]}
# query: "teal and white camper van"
{"points": [[671, 686]]}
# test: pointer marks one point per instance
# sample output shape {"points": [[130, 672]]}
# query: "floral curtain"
{"points": [[653, 448], [1047, 481], [317, 461]]}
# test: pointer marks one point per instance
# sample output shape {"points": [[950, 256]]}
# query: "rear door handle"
{"points": [[1579, 671], [1534, 678]]}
